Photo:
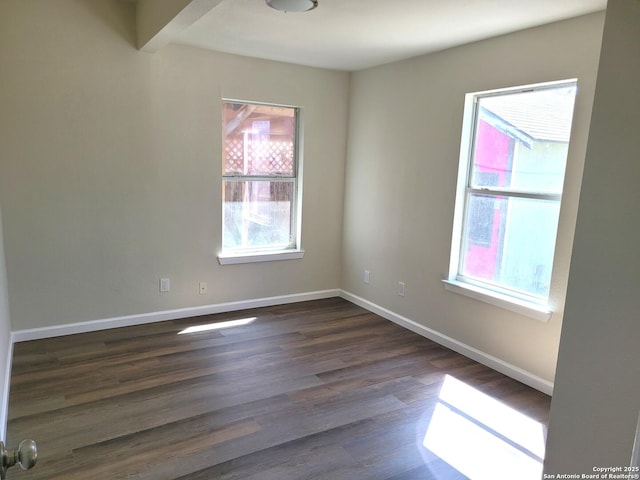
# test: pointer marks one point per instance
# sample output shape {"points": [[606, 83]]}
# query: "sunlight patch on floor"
{"points": [[482, 438], [218, 325]]}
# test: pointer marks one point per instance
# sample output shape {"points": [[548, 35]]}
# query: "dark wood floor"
{"points": [[320, 389]]}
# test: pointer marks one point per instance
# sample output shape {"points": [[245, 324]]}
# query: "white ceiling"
{"points": [[356, 34]]}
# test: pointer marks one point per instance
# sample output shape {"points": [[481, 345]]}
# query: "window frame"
{"points": [[531, 305], [293, 249]]}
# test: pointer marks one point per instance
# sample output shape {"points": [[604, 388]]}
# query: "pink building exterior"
{"points": [[493, 156]]}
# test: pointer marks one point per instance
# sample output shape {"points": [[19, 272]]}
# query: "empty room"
{"points": [[295, 239]]}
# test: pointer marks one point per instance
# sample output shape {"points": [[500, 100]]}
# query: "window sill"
{"points": [[532, 310], [235, 258]]}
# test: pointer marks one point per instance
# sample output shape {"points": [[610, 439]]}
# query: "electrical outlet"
{"points": [[165, 285], [367, 276], [401, 289], [202, 288]]}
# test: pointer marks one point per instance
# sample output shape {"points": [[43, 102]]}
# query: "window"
{"points": [[260, 184], [512, 163]]}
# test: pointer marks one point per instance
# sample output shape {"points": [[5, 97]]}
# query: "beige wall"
{"points": [[404, 142], [595, 406], [5, 336], [110, 166]]}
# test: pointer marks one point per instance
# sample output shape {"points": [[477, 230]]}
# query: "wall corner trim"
{"points": [[497, 364], [4, 401]]}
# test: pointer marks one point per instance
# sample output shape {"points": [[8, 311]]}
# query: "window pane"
{"points": [[257, 214], [510, 241], [521, 140], [258, 140]]}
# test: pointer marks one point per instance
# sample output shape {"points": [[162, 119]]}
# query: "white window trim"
{"points": [[539, 311], [262, 256], [290, 252], [529, 309]]}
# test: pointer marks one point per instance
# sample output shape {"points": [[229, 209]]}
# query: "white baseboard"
{"points": [[129, 320], [501, 366], [4, 401]]}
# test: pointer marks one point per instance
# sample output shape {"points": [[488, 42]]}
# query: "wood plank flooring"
{"points": [[312, 390]]}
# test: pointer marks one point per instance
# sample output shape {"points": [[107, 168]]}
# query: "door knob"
{"points": [[26, 456]]}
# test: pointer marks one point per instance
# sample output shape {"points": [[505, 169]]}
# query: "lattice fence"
{"points": [[270, 157]]}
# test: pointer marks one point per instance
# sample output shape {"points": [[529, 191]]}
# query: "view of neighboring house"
{"points": [[521, 145]]}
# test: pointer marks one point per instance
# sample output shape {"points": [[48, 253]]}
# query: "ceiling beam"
{"points": [[158, 22]]}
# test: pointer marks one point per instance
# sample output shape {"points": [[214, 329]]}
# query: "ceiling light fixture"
{"points": [[292, 5]]}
